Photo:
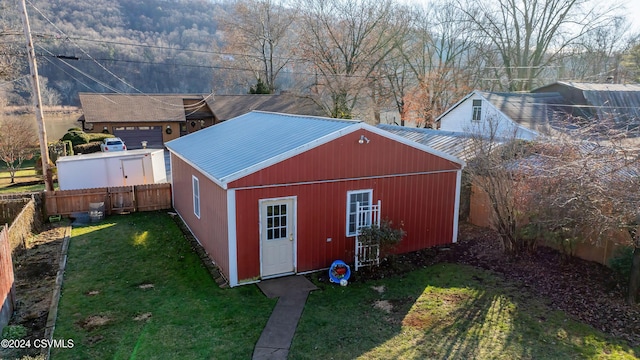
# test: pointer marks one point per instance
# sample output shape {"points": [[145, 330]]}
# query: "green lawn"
{"points": [[23, 172], [446, 311], [134, 289]]}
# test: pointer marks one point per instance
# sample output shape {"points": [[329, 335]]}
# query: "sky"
{"points": [[633, 11]]}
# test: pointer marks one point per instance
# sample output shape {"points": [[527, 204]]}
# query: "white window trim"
{"points": [[195, 184], [349, 193], [473, 110]]}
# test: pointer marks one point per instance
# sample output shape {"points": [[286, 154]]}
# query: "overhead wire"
{"points": [[202, 102]]}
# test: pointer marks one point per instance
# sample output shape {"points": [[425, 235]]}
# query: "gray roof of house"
{"points": [[457, 144], [617, 102], [534, 111], [135, 107], [243, 144], [229, 106]]}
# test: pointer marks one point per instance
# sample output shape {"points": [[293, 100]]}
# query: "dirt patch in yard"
{"points": [[587, 291], [35, 269], [93, 322]]}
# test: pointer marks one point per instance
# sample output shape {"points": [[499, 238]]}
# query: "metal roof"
{"points": [[453, 143], [239, 146], [618, 103], [597, 86], [533, 111]]}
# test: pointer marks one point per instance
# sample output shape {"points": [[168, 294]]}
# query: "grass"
{"points": [[444, 311], [134, 289], [21, 173]]}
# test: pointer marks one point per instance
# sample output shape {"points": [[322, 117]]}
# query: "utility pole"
{"points": [[37, 102]]}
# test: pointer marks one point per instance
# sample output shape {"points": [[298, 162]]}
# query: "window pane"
{"points": [[269, 234], [276, 210], [276, 221], [269, 210], [283, 209]]}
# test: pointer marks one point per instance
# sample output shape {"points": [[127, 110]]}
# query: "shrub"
{"points": [[14, 332], [384, 234], [60, 148], [76, 137], [99, 137], [74, 129], [89, 148], [621, 262], [38, 166]]}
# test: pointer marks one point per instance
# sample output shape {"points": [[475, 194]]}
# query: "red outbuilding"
{"points": [[270, 194]]}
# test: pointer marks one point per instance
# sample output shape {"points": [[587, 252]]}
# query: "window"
{"points": [[477, 110], [358, 196], [276, 221], [196, 196]]}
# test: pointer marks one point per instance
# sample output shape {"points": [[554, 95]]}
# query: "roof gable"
{"points": [[238, 147], [252, 141]]}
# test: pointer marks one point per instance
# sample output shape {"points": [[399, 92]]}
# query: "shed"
{"points": [[269, 194], [111, 169]]}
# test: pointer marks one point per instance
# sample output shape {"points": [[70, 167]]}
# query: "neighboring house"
{"points": [[270, 194], [615, 103], [155, 119], [160, 118], [503, 115]]}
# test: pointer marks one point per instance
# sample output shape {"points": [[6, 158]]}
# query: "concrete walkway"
{"points": [[275, 340]]}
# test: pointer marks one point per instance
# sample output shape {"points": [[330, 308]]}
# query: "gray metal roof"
{"points": [[599, 86], [453, 143], [533, 111], [248, 142], [618, 103]]}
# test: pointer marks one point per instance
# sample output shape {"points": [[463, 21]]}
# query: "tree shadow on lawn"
{"points": [[444, 311]]}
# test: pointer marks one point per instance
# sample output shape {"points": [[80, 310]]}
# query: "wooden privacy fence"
{"points": [[120, 199], [7, 296], [481, 212]]}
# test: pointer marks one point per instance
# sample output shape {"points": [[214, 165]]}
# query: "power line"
{"points": [[202, 102]]}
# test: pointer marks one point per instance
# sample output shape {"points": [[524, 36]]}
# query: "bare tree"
{"points": [[565, 190], [258, 36], [10, 58], [18, 142], [631, 59], [346, 41], [597, 56], [493, 171], [440, 53], [530, 35]]}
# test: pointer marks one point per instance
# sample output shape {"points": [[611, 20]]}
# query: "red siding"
{"points": [[345, 158], [424, 204], [212, 227]]}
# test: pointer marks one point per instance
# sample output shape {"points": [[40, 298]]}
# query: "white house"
{"points": [[503, 115]]}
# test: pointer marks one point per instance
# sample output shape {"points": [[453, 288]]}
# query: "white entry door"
{"points": [[133, 172], [277, 221]]}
